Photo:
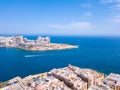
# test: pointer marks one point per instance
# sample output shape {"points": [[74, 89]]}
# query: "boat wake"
{"points": [[28, 56], [39, 55]]}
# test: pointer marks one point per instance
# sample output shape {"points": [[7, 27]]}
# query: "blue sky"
{"points": [[60, 17]]}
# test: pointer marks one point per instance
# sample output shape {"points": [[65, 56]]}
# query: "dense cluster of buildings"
{"points": [[26, 44], [20, 41], [68, 78]]}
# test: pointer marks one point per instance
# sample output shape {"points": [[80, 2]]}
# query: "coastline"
{"points": [[67, 78], [41, 44], [28, 78], [51, 46]]}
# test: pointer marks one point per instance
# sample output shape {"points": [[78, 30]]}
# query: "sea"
{"points": [[98, 53]]}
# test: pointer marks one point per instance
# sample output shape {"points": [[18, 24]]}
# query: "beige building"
{"points": [[69, 78], [88, 75], [112, 81]]}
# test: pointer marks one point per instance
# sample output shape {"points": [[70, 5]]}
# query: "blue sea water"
{"points": [[98, 53]]}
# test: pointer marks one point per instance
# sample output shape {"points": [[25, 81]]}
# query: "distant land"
{"points": [[26, 44]]}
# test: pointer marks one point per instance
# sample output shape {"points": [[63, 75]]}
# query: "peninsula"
{"points": [[26, 44], [68, 78]]}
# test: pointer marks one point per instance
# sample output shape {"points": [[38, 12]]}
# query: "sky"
{"points": [[60, 17]]}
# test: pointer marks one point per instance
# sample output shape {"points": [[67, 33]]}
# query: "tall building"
{"points": [[18, 40], [45, 40]]}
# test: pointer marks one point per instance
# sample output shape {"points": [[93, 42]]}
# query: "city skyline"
{"points": [[60, 17]]}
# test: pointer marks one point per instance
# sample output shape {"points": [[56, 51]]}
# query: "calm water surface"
{"points": [[98, 53]]}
